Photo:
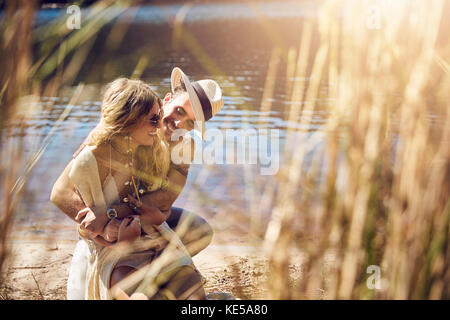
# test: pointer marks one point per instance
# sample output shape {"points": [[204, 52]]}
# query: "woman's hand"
{"points": [[129, 229], [90, 222]]}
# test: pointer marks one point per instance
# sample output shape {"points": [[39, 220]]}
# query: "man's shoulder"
{"points": [[181, 168], [184, 153], [186, 145]]}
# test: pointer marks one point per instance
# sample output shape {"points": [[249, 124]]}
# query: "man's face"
{"points": [[178, 114]]}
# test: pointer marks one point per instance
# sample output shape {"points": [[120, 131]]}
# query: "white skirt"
{"points": [[81, 269], [76, 283]]}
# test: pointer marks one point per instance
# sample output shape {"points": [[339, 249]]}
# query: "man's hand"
{"points": [[90, 222], [111, 231], [99, 240], [149, 214], [129, 229], [117, 230]]}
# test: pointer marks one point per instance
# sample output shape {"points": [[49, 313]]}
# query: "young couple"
{"points": [[120, 187]]}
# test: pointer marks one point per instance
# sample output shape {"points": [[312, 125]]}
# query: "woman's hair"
{"points": [[125, 103]]}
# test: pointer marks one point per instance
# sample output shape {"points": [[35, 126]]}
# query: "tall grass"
{"points": [[15, 61], [383, 198], [375, 201], [379, 193], [35, 63]]}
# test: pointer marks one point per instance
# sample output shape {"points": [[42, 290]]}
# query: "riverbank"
{"points": [[39, 269]]}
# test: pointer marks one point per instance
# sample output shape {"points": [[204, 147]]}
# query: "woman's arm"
{"points": [[65, 197], [68, 200]]}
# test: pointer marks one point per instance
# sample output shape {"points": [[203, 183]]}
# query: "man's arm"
{"points": [[154, 207], [177, 176], [64, 195], [164, 199]]}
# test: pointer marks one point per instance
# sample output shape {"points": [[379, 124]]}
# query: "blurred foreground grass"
{"points": [[383, 199]]}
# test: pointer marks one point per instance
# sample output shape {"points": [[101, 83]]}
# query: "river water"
{"points": [[231, 43]]}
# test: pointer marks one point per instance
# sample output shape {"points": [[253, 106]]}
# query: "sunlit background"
{"points": [[358, 89]]}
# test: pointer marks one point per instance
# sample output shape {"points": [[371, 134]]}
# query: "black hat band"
{"points": [[204, 101]]}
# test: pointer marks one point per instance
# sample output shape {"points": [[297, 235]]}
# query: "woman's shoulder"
{"points": [[84, 162], [100, 150], [94, 152], [86, 154]]}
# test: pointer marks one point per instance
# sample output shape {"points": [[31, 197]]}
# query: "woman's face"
{"points": [[146, 130]]}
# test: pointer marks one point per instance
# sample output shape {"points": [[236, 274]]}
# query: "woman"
{"points": [[123, 161]]}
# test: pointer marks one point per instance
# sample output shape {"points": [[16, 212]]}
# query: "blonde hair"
{"points": [[125, 103]]}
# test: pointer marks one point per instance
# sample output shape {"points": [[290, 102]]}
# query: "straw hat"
{"points": [[205, 97]]}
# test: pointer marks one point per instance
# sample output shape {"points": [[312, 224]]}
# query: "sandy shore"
{"points": [[232, 263], [39, 270]]}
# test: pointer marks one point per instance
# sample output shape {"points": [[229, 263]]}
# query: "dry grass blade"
{"points": [[377, 204]]}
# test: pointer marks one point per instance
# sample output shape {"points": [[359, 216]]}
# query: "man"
{"points": [[189, 103]]}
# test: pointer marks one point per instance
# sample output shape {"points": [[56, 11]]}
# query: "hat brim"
{"points": [[177, 76]]}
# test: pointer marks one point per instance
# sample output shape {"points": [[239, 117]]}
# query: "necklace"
{"points": [[117, 150], [130, 166]]}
